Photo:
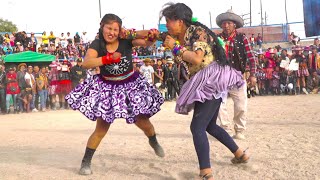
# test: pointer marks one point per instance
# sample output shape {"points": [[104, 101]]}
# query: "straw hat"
{"points": [[170, 61], [22, 64], [147, 60], [230, 16]]}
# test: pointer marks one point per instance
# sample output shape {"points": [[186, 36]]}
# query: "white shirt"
{"points": [[84, 39], [28, 78], [62, 39], [147, 72]]}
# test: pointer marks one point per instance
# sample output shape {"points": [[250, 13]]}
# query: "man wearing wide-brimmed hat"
{"points": [[238, 52]]}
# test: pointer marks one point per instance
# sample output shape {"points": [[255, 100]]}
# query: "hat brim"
{"points": [[22, 64], [227, 16]]}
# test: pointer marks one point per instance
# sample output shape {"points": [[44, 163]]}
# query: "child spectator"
{"points": [[147, 70]]}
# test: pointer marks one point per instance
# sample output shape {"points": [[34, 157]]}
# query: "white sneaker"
{"points": [[305, 91], [239, 136], [44, 110], [34, 110]]}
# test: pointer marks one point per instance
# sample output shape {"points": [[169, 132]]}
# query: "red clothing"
{"points": [[12, 85]]}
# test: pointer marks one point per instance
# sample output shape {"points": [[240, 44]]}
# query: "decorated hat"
{"points": [[306, 48], [53, 64], [230, 16]]}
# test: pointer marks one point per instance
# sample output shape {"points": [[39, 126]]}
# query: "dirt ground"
{"points": [[283, 138]]}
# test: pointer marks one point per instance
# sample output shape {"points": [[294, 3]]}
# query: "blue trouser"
{"points": [[204, 120], [43, 98], [2, 99], [14, 99], [32, 104]]}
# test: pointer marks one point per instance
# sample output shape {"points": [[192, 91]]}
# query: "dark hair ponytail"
{"points": [[217, 49]]}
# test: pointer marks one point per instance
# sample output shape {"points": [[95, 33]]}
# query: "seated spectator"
{"points": [[294, 38], [313, 83]]}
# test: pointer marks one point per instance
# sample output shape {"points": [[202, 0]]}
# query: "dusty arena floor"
{"points": [[283, 138]]}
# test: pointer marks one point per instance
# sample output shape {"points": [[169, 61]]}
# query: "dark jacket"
{"points": [[77, 73]]}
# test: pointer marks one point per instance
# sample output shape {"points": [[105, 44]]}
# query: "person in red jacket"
{"points": [[12, 90]]}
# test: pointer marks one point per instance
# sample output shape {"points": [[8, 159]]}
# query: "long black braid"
{"points": [[217, 49]]}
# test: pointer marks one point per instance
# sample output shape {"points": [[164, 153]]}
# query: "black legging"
{"points": [[204, 119]]}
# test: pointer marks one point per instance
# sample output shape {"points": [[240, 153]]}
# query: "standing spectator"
{"points": [[12, 90], [239, 53], [21, 82], [26, 40], [171, 74], [45, 39], [53, 78], [303, 72], [77, 39], [42, 86], [314, 58], [2, 89], [34, 41], [147, 71], [69, 38], [252, 40], [84, 40], [64, 83], [63, 40], [12, 39], [31, 83], [35, 73], [6, 38], [26, 95], [78, 73], [158, 74], [52, 38]]}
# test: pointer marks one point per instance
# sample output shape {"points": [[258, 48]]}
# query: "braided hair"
{"points": [[180, 11]]}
